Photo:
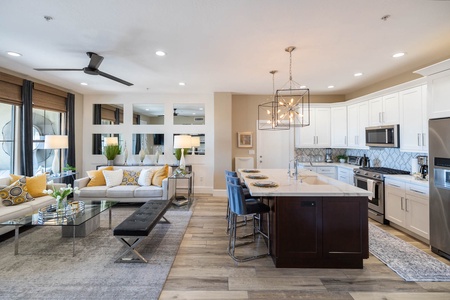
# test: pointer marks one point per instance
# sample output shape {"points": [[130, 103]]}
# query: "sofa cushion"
{"points": [[130, 177], [35, 184], [94, 192], [113, 178], [121, 191], [16, 211], [15, 193], [160, 175], [96, 176], [148, 191], [41, 202]]}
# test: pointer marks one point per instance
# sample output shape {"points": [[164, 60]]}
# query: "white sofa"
{"points": [[20, 210], [125, 193]]}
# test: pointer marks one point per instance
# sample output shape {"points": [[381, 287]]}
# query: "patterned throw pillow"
{"points": [[130, 177], [35, 184], [15, 193]]}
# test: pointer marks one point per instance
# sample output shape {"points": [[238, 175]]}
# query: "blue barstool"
{"points": [[237, 181], [240, 207]]}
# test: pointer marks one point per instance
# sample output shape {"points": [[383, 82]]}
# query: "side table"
{"points": [[189, 177]]}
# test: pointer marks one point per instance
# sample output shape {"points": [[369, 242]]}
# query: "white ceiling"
{"points": [[223, 46]]}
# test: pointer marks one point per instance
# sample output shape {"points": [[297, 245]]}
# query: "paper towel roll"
{"points": [[414, 166]]}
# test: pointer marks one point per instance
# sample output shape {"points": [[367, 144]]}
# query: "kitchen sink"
{"points": [[313, 180]]}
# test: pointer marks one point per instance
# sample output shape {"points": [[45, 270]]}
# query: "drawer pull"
{"points": [[416, 191]]}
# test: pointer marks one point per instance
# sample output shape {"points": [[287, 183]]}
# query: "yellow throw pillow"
{"points": [[160, 175], [130, 177], [15, 193], [97, 177], [35, 184]]}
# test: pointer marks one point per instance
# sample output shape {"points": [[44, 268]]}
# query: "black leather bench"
{"points": [[132, 231]]}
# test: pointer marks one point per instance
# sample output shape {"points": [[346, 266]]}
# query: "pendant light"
{"points": [[292, 102], [267, 119]]}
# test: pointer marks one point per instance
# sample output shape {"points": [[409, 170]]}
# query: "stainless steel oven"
{"points": [[376, 201], [372, 179]]}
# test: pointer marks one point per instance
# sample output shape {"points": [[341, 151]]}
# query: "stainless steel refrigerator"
{"points": [[439, 175]]}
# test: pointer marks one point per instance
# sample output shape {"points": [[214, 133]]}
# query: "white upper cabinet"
{"points": [[317, 134], [384, 110], [413, 120], [357, 121], [339, 127]]}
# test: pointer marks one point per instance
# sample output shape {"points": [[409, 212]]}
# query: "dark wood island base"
{"points": [[319, 232]]}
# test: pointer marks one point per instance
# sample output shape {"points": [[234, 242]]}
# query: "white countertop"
{"points": [[408, 179], [308, 184]]}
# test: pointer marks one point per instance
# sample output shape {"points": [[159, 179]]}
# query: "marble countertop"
{"points": [[308, 184], [408, 179]]}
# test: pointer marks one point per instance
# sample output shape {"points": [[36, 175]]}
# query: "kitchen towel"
{"points": [[414, 166], [371, 188]]}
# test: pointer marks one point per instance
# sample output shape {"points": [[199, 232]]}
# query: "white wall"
{"points": [[203, 165]]}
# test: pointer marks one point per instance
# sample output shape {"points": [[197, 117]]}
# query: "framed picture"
{"points": [[245, 140]]}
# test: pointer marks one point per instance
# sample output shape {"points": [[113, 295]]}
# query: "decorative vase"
{"points": [[110, 162], [61, 204]]}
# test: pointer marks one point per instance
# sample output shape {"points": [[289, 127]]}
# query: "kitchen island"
{"points": [[316, 221]]}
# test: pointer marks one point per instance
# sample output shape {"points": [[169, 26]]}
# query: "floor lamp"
{"points": [[56, 142]]}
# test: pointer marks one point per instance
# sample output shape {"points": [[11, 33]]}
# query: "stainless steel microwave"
{"points": [[383, 136]]}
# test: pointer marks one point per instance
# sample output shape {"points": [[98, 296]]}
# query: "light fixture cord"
{"points": [[290, 70]]}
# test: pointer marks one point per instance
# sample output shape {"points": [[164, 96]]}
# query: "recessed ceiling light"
{"points": [[147, 109], [303, 86], [357, 74], [201, 108], [400, 54], [13, 53], [331, 86], [83, 83], [182, 83], [193, 113], [160, 53]]}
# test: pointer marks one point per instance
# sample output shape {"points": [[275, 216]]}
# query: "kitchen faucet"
{"points": [[295, 160]]}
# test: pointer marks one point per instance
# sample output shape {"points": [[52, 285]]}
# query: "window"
{"points": [[7, 137], [45, 122]]}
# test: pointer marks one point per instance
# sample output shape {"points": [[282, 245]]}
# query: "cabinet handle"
{"points": [[391, 184], [406, 204], [401, 203], [379, 117], [418, 139], [416, 191], [345, 140], [382, 117], [356, 140], [423, 139]]}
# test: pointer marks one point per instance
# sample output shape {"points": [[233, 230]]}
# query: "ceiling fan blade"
{"points": [[114, 78], [43, 69], [95, 61]]}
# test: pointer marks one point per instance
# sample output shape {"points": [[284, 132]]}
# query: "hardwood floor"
{"points": [[203, 270]]}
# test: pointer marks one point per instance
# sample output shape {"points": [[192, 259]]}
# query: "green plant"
{"points": [[341, 156], [69, 168], [178, 153], [111, 151]]}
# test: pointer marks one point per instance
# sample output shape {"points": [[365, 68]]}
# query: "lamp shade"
{"points": [[56, 142], [195, 141], [182, 141], [111, 141]]}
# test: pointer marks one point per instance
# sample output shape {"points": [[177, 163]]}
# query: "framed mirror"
{"points": [[107, 114], [197, 144], [99, 141], [189, 114], [144, 114], [150, 143]]}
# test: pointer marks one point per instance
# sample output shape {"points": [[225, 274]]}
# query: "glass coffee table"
{"points": [[76, 216]]}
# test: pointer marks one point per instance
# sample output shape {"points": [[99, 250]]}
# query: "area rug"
{"points": [[409, 262], [45, 268]]}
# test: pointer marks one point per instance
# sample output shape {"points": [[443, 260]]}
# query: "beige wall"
{"points": [[245, 114], [222, 138]]}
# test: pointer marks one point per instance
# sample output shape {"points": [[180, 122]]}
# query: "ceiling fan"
{"points": [[92, 68]]}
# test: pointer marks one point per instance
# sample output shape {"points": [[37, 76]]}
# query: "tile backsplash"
{"points": [[379, 157]]}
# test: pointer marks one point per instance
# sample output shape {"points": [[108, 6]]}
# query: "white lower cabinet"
{"points": [[407, 205], [345, 175]]}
